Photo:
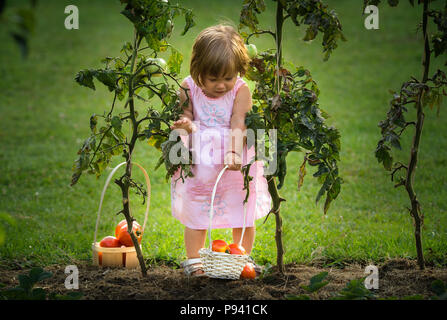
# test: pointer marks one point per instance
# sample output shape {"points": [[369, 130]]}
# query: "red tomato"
{"points": [[220, 246], [237, 249], [119, 225], [110, 242], [124, 236], [122, 223], [248, 272]]}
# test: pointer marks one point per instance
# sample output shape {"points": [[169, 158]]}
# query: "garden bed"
{"points": [[397, 278]]}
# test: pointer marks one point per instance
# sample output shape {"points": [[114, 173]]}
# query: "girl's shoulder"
{"points": [[239, 84], [189, 84]]}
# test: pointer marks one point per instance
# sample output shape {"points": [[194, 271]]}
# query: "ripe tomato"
{"points": [[236, 249], [124, 223], [124, 236], [220, 246], [110, 242], [248, 272], [119, 225]]}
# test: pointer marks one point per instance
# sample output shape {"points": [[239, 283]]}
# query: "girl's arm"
{"points": [[186, 119], [242, 105]]}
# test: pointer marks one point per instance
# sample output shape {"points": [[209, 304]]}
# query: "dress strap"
{"points": [[192, 86], [239, 83]]}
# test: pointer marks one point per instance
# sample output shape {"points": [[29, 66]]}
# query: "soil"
{"points": [[398, 278]]}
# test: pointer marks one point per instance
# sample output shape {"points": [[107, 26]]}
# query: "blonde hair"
{"points": [[218, 51]]}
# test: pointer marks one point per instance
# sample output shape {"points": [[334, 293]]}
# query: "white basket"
{"points": [[220, 264]]}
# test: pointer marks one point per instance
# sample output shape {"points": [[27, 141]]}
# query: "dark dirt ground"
{"points": [[397, 278]]}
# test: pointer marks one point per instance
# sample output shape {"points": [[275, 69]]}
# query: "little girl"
{"points": [[218, 101]]}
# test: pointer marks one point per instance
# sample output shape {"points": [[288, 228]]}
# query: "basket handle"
{"points": [[212, 207], [148, 185]]}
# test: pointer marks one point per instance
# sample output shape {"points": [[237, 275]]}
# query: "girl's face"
{"points": [[216, 87]]}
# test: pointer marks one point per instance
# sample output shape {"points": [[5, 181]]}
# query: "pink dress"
{"points": [[191, 200]]}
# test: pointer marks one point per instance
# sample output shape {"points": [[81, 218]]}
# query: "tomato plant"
{"points": [[420, 93], [285, 100], [130, 78]]}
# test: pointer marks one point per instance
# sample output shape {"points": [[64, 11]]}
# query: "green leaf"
{"points": [[38, 294], [116, 123], [85, 78], [25, 282], [16, 293], [153, 42], [189, 22], [332, 193], [34, 274], [324, 188], [322, 170], [383, 155], [438, 287], [355, 290], [316, 282], [73, 295], [93, 123], [175, 61], [127, 48], [311, 33], [108, 77]]}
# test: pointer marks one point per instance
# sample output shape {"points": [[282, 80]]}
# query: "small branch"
{"points": [[99, 145], [262, 32], [406, 125], [152, 118], [113, 105], [397, 169]]}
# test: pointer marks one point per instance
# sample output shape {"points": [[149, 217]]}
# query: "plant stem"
{"points": [[273, 190], [125, 185], [415, 210], [276, 199]]}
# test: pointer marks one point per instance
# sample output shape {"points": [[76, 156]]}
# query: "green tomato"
{"points": [[157, 64], [251, 50], [169, 26]]}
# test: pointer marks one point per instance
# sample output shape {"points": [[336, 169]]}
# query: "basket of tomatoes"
{"points": [[119, 250], [221, 260]]}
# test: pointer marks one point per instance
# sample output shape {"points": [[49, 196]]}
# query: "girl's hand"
{"points": [[233, 160], [185, 124]]}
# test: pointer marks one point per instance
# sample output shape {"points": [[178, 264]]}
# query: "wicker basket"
{"points": [[220, 264], [118, 257]]}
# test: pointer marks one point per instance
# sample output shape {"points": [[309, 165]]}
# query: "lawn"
{"points": [[45, 118]]}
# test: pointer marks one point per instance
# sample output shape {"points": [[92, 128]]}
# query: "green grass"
{"points": [[45, 115]]}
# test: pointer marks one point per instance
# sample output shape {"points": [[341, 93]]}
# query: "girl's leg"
{"points": [[249, 237], [194, 241]]}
